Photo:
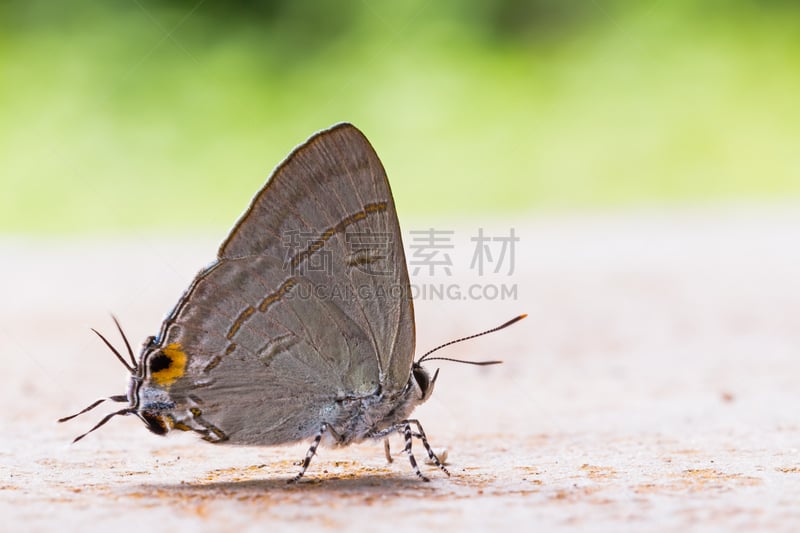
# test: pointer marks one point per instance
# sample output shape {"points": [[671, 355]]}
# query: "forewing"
{"points": [[316, 213]]}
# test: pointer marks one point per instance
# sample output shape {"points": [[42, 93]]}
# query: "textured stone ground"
{"points": [[654, 386]]}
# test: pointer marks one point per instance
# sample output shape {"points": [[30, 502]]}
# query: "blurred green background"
{"points": [[144, 115]]}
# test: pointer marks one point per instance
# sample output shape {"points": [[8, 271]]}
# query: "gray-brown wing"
{"points": [[328, 212], [307, 303]]}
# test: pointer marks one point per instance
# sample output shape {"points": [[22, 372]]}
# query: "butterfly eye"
{"points": [[423, 379]]}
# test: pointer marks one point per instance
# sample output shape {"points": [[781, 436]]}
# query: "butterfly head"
{"points": [[155, 421], [424, 381]]}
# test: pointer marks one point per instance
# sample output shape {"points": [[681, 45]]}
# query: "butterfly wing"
{"points": [[308, 302]]}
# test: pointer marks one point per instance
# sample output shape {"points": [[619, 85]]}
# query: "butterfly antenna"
{"points": [[126, 411], [111, 347], [480, 363], [125, 339], [116, 398]]}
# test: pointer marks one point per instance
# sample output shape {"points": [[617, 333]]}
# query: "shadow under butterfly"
{"points": [[304, 324]]}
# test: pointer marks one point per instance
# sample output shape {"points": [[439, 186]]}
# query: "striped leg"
{"points": [[405, 428], [310, 453], [421, 436], [407, 434]]}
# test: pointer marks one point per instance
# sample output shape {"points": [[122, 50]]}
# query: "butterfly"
{"points": [[303, 326]]}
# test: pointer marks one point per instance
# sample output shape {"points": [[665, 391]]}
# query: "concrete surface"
{"points": [[654, 386]]}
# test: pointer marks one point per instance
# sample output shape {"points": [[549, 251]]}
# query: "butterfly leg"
{"points": [[387, 451], [421, 436], [407, 434], [312, 450], [404, 427]]}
